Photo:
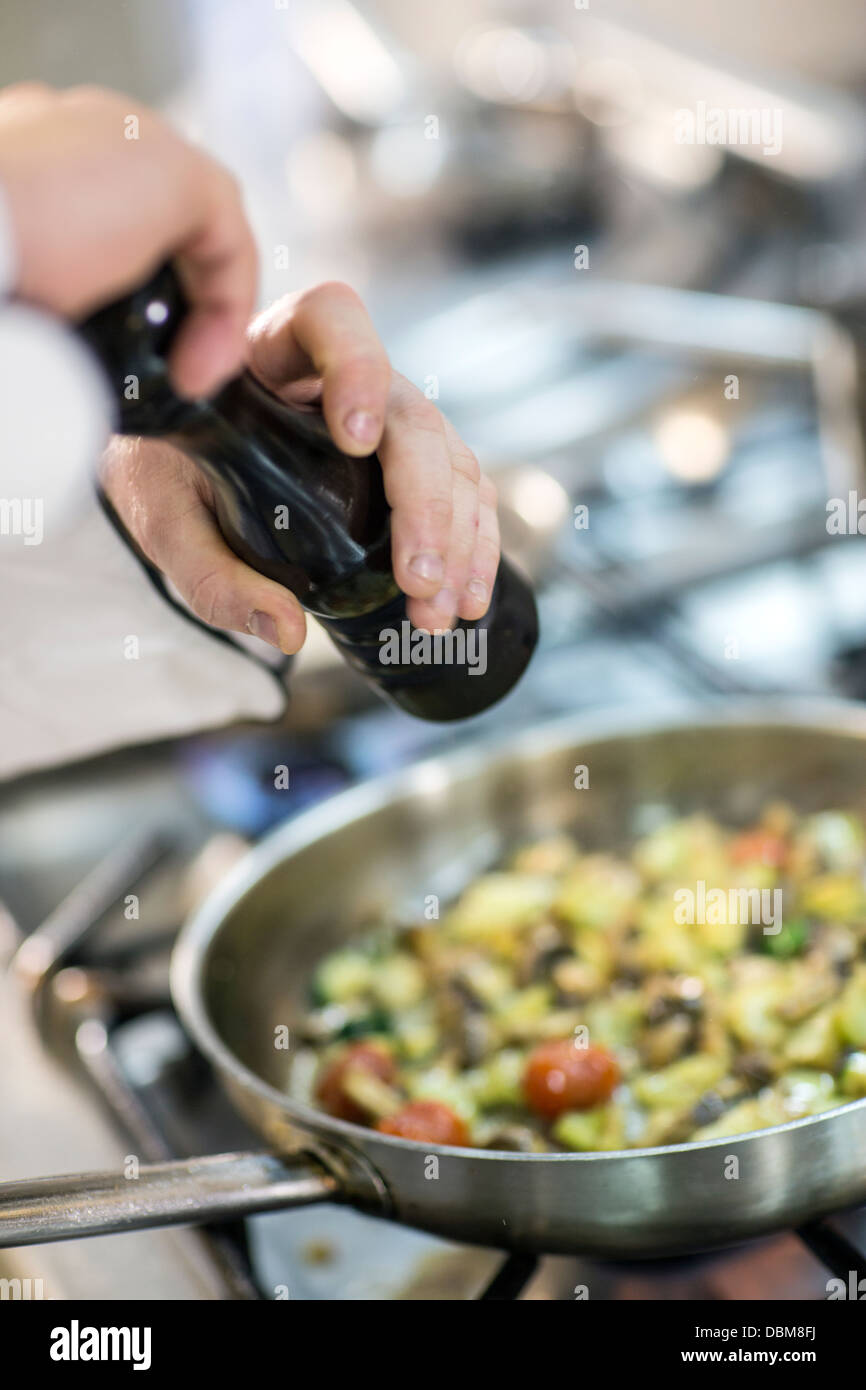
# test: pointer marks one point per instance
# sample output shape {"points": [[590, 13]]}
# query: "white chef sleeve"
{"points": [[91, 657]]}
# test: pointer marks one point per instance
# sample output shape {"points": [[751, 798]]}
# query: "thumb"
{"points": [[219, 588]]}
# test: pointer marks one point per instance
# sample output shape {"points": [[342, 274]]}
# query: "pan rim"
{"points": [[820, 715]]}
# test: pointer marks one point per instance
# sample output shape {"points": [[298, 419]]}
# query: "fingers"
{"points": [[416, 464], [100, 191], [217, 265], [484, 561], [220, 588], [445, 535], [162, 500], [465, 478], [22, 93], [327, 331]]}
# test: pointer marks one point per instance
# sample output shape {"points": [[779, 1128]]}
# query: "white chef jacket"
{"points": [[91, 655]]}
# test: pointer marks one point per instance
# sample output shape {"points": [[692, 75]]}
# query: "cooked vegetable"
{"points": [[852, 1010], [343, 976], [586, 1130], [398, 982], [681, 1084], [758, 847], [853, 1079], [562, 1076], [428, 1121], [360, 1058], [790, 940], [708, 982]]}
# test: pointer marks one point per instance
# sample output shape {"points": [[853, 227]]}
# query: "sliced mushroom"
{"points": [[755, 1068], [665, 1042], [518, 1139], [464, 1024], [545, 946], [370, 1093]]}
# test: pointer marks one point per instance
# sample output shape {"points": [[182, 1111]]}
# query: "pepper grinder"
{"points": [[296, 508]]}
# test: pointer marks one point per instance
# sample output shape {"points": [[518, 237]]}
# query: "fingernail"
{"points": [[262, 625], [428, 566], [363, 426], [477, 589], [445, 602]]}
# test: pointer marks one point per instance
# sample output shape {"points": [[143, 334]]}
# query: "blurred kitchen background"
{"points": [[656, 347]]}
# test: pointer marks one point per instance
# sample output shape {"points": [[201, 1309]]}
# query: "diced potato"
{"points": [[852, 1008], [815, 1042], [663, 943], [561, 1023], [839, 839], [683, 851], [835, 897], [740, 1119], [587, 1131], [803, 1092], [681, 1084], [811, 983], [444, 1083], [791, 1098], [499, 1082], [343, 976], [596, 949], [750, 1012], [599, 892], [666, 1124], [723, 938], [398, 981], [576, 978], [417, 1032], [490, 980], [499, 905], [614, 1021], [524, 1005], [852, 1082]]}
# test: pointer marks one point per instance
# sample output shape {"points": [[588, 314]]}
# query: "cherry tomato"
{"points": [[560, 1076], [758, 847], [429, 1121], [360, 1056]]}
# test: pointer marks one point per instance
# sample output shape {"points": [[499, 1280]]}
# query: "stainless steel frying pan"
{"points": [[240, 968]]}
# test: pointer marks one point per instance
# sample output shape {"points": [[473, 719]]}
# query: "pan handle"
{"points": [[183, 1192]]}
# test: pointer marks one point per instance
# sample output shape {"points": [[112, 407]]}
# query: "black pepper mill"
{"points": [[299, 510]]}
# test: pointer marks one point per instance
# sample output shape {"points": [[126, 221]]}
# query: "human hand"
{"points": [[94, 212], [321, 345]]}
